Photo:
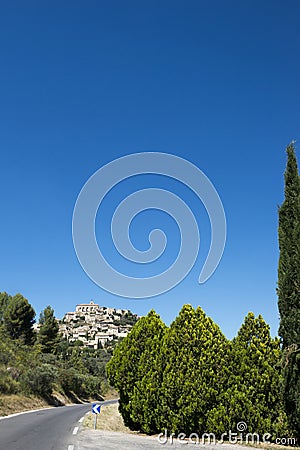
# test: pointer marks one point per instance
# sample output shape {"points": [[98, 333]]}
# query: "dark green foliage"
{"points": [[127, 319], [289, 288], [83, 385], [69, 380], [133, 357], [291, 387], [194, 360], [39, 380], [190, 379], [48, 332], [82, 371], [253, 393], [95, 366], [289, 260], [19, 319], [145, 400], [4, 300]]}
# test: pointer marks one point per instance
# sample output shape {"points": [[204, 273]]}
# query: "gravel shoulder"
{"points": [[112, 434], [112, 440]]}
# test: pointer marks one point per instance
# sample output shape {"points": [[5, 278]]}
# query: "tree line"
{"points": [[44, 363], [189, 378]]}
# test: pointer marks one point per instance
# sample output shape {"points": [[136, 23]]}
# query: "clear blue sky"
{"points": [[82, 83]]}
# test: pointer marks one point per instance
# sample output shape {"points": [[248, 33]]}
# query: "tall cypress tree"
{"points": [[289, 288], [289, 260]]}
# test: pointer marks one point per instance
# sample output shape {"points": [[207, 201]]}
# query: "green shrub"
{"points": [[69, 379], [39, 380], [7, 384]]}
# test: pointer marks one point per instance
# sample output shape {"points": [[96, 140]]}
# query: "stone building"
{"points": [[94, 325], [87, 307]]}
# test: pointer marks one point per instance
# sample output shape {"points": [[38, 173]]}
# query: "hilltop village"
{"points": [[96, 326]]}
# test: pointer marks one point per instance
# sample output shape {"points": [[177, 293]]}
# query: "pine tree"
{"points": [[4, 300], [146, 394], [132, 358], [289, 288], [19, 319], [48, 332], [253, 393], [193, 365]]}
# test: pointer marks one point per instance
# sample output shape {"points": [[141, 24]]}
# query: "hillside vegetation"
{"points": [[45, 365]]}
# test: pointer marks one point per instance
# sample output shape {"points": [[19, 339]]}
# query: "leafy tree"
{"points": [[19, 319], [289, 288], [132, 358], [194, 358], [253, 393], [49, 331]]}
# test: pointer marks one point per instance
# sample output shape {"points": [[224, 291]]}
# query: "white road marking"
{"points": [[75, 431], [70, 447], [81, 420]]}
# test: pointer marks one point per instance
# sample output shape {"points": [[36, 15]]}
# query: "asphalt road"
{"points": [[109, 440], [48, 429]]}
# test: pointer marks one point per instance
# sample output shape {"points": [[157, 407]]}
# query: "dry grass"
{"points": [[14, 403], [110, 394], [109, 419], [10, 404]]}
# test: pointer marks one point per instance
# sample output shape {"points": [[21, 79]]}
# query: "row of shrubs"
{"points": [[189, 378], [46, 379]]}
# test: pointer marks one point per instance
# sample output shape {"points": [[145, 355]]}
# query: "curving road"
{"points": [[60, 429], [47, 429]]}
